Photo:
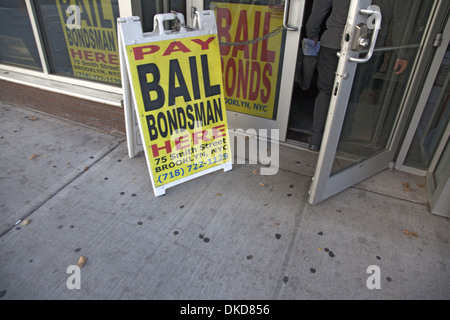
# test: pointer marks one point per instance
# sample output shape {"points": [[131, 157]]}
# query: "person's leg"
{"points": [[327, 66]]}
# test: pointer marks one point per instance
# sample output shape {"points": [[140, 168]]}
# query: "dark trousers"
{"points": [[326, 66]]}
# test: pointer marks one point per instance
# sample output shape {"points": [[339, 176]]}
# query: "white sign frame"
{"points": [[130, 33]]}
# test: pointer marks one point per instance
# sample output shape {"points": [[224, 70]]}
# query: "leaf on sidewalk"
{"points": [[406, 186], [26, 222], [81, 261], [410, 234]]}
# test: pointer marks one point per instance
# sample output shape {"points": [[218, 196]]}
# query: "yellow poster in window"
{"points": [[89, 28], [178, 92], [250, 71]]}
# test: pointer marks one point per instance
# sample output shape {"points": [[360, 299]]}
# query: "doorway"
{"points": [[304, 92], [371, 102]]}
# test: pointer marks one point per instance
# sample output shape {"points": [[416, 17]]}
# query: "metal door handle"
{"points": [[374, 12], [287, 7]]}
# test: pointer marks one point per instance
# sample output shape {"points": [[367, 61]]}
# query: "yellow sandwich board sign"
{"points": [[174, 79]]}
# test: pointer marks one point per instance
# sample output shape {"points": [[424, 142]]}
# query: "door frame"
{"points": [[435, 54]]}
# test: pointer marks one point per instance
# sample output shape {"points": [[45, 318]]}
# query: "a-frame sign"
{"points": [[173, 98]]}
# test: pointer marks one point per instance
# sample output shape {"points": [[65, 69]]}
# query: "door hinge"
{"points": [[437, 40]]}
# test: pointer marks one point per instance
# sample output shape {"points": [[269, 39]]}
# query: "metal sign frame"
{"points": [[130, 33]]}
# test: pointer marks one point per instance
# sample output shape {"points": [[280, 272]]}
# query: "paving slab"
{"points": [[40, 155], [346, 234]]}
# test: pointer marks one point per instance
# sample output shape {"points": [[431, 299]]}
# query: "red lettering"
{"points": [[241, 34], [196, 138], [203, 44], [231, 65], [175, 47], [223, 31], [242, 81], [256, 34], [100, 57], [95, 56], [219, 132], [76, 54], [255, 75], [267, 55], [113, 59], [140, 52], [167, 146], [180, 140], [88, 56], [266, 82]]}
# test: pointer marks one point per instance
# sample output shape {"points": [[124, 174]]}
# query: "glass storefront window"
{"points": [[81, 38], [17, 43]]}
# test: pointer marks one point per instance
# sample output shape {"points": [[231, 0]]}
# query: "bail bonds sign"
{"points": [[176, 83], [90, 32], [250, 71]]}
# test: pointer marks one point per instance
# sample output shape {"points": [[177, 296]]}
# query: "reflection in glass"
{"points": [[379, 85], [17, 43], [434, 121]]}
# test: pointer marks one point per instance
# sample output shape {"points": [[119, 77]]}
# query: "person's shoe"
{"points": [[314, 147]]}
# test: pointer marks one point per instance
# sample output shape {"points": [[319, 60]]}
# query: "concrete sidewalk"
{"points": [[235, 235]]}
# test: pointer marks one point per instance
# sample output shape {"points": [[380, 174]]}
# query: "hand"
{"points": [[315, 42], [401, 65]]}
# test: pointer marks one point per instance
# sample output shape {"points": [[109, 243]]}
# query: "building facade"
{"points": [[62, 57]]}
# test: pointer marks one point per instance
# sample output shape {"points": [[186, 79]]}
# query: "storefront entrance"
{"points": [[377, 78], [387, 103]]}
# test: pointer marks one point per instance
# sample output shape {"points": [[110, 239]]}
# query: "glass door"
{"points": [[377, 64], [259, 44]]}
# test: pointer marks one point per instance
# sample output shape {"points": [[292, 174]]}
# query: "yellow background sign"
{"points": [[178, 90], [250, 72], [90, 31]]}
